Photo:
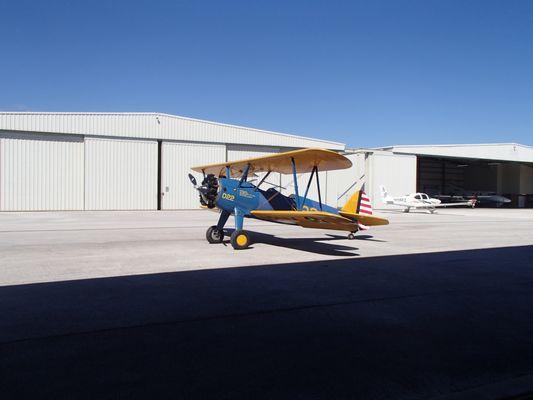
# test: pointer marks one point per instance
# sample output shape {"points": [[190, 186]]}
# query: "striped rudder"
{"points": [[364, 207]]}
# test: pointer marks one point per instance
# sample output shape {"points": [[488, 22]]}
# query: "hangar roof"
{"points": [[488, 151], [152, 126]]}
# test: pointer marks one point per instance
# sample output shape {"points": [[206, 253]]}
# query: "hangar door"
{"points": [[41, 172], [395, 172], [239, 152], [120, 174], [176, 162]]}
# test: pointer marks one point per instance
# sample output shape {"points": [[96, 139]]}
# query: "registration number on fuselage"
{"points": [[229, 197]]}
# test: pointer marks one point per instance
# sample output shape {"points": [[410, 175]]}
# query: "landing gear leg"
{"points": [[240, 239], [215, 233], [224, 215]]}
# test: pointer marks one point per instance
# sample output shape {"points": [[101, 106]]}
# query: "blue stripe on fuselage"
{"points": [[248, 198], [244, 196]]}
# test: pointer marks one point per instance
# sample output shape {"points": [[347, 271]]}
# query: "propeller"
{"points": [[193, 180]]}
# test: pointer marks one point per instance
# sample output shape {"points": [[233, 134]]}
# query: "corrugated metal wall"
{"points": [[488, 151], [120, 174], [154, 126], [351, 179], [41, 172], [239, 152], [397, 172], [177, 160], [70, 172]]}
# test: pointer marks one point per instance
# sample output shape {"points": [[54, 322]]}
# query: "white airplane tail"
{"points": [[383, 191]]}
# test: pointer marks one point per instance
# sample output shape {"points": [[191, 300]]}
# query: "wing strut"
{"points": [[318, 188], [244, 176], [262, 180], [295, 178], [309, 184]]}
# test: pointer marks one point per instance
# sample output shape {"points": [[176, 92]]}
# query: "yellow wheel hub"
{"points": [[242, 240]]}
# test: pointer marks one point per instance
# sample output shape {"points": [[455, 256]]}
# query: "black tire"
{"points": [[240, 240], [214, 235], [351, 236]]}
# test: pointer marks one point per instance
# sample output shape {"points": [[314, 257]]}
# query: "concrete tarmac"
{"points": [[57, 246], [138, 304]]}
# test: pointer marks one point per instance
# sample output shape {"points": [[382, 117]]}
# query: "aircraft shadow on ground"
{"points": [[320, 245], [364, 237], [409, 326]]}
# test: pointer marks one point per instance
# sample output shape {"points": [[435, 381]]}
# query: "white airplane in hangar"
{"points": [[420, 201]]}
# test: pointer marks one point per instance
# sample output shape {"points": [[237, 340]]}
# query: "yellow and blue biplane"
{"points": [[226, 186]]}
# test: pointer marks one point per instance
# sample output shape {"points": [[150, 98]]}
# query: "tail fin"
{"points": [[383, 191], [359, 203], [352, 205]]}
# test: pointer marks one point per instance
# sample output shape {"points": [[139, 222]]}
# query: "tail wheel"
{"points": [[214, 235], [351, 236], [240, 240]]}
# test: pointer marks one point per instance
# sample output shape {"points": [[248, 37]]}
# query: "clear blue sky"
{"points": [[365, 73]]}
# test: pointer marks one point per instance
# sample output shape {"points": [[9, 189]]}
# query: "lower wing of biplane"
{"points": [[343, 221]]}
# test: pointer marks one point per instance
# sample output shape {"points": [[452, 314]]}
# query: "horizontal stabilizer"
{"points": [[366, 219]]}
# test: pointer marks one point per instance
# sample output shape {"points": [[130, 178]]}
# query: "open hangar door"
{"points": [[468, 177], [177, 158], [120, 174]]}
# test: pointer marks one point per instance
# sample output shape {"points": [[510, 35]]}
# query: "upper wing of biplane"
{"points": [[320, 219], [305, 160]]}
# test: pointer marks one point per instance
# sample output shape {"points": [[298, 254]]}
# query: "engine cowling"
{"points": [[209, 191]]}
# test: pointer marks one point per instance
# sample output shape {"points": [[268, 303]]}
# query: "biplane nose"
{"points": [[208, 190]]}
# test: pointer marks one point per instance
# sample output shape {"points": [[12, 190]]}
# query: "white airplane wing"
{"points": [[466, 203], [401, 203]]}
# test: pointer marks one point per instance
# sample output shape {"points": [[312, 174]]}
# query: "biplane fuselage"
{"points": [[248, 197], [226, 187]]}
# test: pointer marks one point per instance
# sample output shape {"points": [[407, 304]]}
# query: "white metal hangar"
{"points": [[140, 161], [121, 161], [500, 168]]}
